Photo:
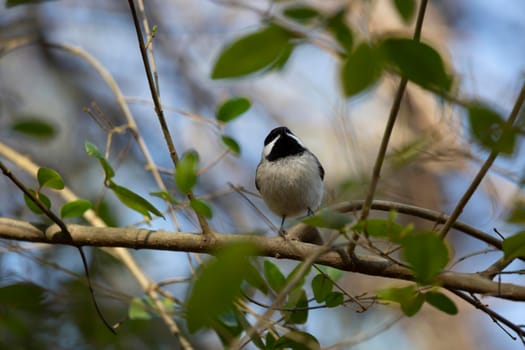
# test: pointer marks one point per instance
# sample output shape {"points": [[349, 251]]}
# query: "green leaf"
{"points": [[227, 326], [283, 58], [232, 145], [301, 13], [48, 177], [332, 272], [426, 253], [321, 287], [514, 246], [255, 279], [297, 340], [92, 151], [186, 171], [164, 195], [251, 53], [297, 299], [75, 208], [274, 276], [218, 284], [22, 295], [201, 207], [33, 126], [361, 70], [406, 9], [408, 297], [292, 275], [441, 302], [417, 62], [340, 30], [334, 299], [328, 219], [134, 201], [382, 228], [232, 108], [139, 310], [32, 206], [489, 130]]}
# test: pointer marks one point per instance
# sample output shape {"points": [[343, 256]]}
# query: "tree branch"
{"points": [[272, 247]]}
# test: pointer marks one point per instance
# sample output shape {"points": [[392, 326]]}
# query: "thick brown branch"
{"points": [[271, 247]]}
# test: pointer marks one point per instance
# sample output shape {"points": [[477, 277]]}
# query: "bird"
{"points": [[289, 177]]}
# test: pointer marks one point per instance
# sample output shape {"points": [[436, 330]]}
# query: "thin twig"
{"points": [[514, 114], [394, 111], [497, 318], [160, 113]]}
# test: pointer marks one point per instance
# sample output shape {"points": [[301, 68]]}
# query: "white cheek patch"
{"points": [[295, 138], [268, 148]]}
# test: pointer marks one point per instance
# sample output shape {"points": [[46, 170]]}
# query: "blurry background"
{"points": [[431, 160]]}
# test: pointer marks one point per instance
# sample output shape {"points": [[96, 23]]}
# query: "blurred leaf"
{"points": [[232, 108], [514, 246], [408, 297], [92, 151], [406, 9], [297, 299], [22, 295], [334, 299], [292, 275], [270, 341], [409, 152], [48, 177], [441, 302], [227, 326], [201, 207], [361, 70], [327, 218], [301, 13], [186, 171], [426, 253], [218, 284], [382, 228], [164, 195], [321, 287], [340, 30], [232, 145], [255, 279], [32, 206], [33, 126], [134, 201], [75, 208], [274, 276], [138, 310], [251, 53], [517, 215], [332, 272], [283, 58], [489, 130], [417, 62], [297, 340]]}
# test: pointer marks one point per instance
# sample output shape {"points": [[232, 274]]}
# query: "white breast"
{"points": [[291, 185]]}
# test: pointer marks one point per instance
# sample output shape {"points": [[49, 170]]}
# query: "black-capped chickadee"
{"points": [[289, 176]]}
